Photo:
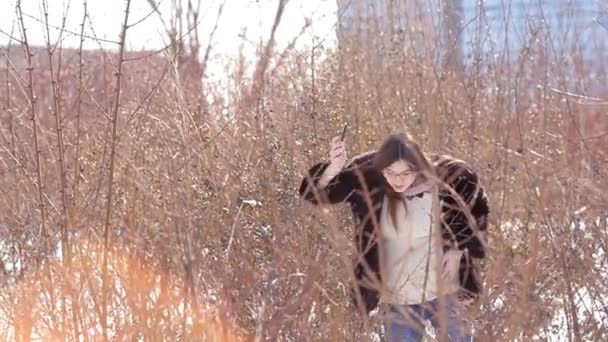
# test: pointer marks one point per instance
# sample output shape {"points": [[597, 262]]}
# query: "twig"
{"points": [[65, 243], [160, 16], [32, 105], [154, 10], [257, 87], [324, 292], [10, 67], [98, 41], [8, 104], [578, 96], [106, 232], [601, 24], [211, 36], [71, 32], [79, 107], [59, 135], [290, 47], [11, 37], [147, 96], [164, 48], [236, 220]]}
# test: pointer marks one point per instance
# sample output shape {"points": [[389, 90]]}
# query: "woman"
{"points": [[408, 263]]}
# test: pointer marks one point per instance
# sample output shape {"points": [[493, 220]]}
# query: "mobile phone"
{"points": [[344, 132]]}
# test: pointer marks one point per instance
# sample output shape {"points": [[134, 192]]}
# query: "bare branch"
{"points": [[155, 6], [11, 37], [33, 118], [154, 10], [601, 24], [59, 136], [578, 96], [79, 106], [109, 204], [172, 44], [62, 29], [211, 37]]}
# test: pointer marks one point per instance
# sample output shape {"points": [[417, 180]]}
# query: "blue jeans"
{"points": [[405, 323]]}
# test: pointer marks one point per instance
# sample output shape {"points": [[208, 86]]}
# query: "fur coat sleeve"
{"points": [[339, 189]]}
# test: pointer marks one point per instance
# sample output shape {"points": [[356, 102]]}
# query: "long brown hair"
{"points": [[400, 146]]}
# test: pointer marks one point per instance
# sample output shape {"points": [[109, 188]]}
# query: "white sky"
{"points": [[107, 16]]}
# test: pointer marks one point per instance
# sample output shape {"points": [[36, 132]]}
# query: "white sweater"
{"points": [[406, 253]]}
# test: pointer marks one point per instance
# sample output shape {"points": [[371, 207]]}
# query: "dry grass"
{"points": [[207, 238]]}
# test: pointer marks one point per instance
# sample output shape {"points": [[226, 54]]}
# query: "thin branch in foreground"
{"points": [[11, 37], [211, 37], [145, 17], [578, 96], [8, 105], [33, 117], [79, 107], [59, 136], [601, 24], [41, 197], [97, 39], [106, 231], [165, 48], [64, 217]]}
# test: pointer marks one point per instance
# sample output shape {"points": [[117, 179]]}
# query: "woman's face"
{"points": [[399, 175]]}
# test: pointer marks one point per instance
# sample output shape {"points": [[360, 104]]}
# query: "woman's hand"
{"points": [[337, 157], [451, 264], [337, 154]]}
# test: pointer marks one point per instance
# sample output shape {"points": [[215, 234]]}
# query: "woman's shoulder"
{"points": [[446, 160], [461, 177], [450, 169]]}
